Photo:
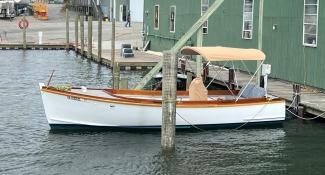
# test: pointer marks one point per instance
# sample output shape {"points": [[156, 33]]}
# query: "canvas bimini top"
{"points": [[224, 53]]}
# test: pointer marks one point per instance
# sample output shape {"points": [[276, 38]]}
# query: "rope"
{"points": [[190, 123], [248, 121], [307, 119]]}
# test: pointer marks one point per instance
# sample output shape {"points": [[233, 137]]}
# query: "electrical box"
{"points": [[266, 69]]}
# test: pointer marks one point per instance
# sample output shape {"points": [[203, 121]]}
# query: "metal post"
{"points": [[82, 35], [260, 39], [67, 28], [169, 101], [100, 21], [206, 71], [231, 78], [90, 37], [24, 32], [76, 31], [199, 43]]}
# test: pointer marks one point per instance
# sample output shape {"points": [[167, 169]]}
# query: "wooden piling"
{"points": [[296, 96], [67, 28], [100, 21], [301, 111], [124, 83], [90, 37], [76, 31], [189, 79], [113, 62], [231, 79], [82, 35], [113, 43], [24, 32], [116, 75], [169, 101]]}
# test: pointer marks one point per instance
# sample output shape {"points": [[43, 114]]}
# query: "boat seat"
{"points": [[252, 91]]}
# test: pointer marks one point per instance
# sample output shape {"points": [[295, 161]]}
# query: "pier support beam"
{"points": [[100, 22], [76, 31], [116, 75], [82, 35], [24, 32], [67, 28], [169, 101], [90, 37]]}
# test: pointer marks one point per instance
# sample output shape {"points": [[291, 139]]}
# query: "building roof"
{"points": [[224, 53]]}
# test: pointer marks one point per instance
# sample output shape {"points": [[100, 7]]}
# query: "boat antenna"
{"points": [[48, 83]]}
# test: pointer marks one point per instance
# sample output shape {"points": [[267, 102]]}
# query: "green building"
{"points": [[293, 32]]}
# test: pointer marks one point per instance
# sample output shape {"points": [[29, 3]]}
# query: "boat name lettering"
{"points": [[74, 98]]}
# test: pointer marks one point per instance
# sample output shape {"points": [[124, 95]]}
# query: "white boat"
{"points": [[140, 109]]}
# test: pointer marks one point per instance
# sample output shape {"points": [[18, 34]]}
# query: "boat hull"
{"points": [[64, 111]]}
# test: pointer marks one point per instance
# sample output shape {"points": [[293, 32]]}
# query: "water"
{"points": [[27, 146]]}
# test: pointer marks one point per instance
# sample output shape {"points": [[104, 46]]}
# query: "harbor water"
{"points": [[27, 146]]}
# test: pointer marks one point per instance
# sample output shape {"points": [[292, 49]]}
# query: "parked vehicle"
{"points": [[7, 9]]}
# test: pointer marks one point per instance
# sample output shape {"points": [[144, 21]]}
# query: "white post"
{"points": [[40, 37]]}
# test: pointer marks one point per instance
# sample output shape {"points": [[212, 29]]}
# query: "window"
{"points": [[248, 19], [156, 20], [172, 19], [310, 23], [204, 8]]}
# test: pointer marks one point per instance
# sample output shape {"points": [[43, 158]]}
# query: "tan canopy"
{"points": [[224, 53]]}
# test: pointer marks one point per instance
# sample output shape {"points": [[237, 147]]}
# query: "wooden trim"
{"points": [[157, 103]]}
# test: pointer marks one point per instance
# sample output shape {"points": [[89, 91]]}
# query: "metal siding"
{"points": [[290, 60]]}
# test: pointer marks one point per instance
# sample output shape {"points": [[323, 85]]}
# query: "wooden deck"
{"points": [[140, 61]]}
